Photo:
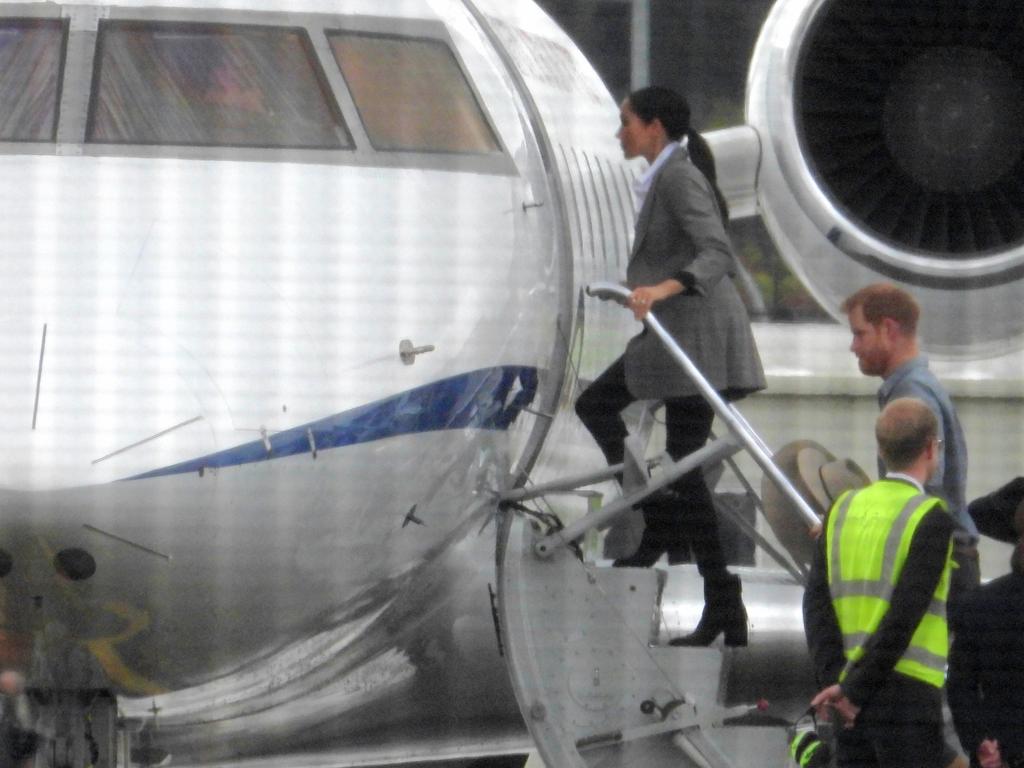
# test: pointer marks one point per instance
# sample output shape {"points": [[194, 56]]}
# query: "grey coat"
{"points": [[680, 230]]}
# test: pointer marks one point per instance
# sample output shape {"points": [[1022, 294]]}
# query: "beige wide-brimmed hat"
{"points": [[820, 478]]}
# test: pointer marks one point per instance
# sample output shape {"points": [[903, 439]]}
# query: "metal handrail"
{"points": [[738, 425], [739, 430]]}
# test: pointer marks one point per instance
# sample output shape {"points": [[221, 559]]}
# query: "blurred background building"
{"points": [[700, 47]]}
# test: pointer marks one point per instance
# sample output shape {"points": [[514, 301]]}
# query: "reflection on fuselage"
{"points": [[230, 499]]}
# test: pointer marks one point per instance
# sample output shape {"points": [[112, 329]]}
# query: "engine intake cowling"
{"points": [[893, 149]]}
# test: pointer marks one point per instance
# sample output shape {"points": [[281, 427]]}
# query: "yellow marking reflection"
{"points": [[104, 648]]}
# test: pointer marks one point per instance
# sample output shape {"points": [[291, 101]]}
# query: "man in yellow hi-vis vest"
{"points": [[875, 605]]}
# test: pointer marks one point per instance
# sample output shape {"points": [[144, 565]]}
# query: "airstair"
{"points": [[582, 641]]}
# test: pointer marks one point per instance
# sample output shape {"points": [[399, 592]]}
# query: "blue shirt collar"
{"points": [[893, 379]]}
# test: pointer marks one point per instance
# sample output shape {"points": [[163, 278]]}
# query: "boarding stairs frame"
{"points": [[594, 690]]}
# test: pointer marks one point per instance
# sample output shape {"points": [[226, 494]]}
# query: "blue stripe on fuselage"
{"points": [[476, 400]]}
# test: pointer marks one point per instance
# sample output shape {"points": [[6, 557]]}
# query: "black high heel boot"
{"points": [[724, 613]]}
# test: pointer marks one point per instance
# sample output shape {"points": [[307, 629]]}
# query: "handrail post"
{"points": [[713, 452]]}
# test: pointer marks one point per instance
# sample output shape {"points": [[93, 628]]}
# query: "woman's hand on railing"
{"points": [[643, 297]]}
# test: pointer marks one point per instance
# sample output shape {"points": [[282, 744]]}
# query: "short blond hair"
{"points": [[904, 429]]}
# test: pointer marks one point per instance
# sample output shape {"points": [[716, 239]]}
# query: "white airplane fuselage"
{"points": [[225, 491]]}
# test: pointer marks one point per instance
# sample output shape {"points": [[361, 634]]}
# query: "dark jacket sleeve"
{"points": [[911, 597], [824, 640]]}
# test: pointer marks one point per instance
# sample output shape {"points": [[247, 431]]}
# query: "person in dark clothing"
{"points": [[985, 687], [18, 743], [874, 609], [681, 266]]}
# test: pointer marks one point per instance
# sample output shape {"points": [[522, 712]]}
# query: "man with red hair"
{"points": [[883, 319]]}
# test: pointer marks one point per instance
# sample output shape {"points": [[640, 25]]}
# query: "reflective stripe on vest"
{"points": [[872, 567]]}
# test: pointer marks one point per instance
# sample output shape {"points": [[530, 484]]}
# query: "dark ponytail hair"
{"points": [[672, 109], [664, 104], [700, 154]]}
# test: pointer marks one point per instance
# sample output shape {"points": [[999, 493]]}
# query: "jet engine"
{"points": [[892, 149]]}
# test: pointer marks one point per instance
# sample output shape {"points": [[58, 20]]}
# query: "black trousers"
{"points": [[671, 527], [900, 727]]}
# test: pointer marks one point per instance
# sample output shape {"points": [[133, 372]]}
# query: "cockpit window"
{"points": [[412, 95], [211, 85], [31, 54]]}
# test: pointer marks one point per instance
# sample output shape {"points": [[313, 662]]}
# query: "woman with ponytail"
{"points": [[681, 265]]}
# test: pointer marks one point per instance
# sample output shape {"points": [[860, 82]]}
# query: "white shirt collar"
{"points": [[643, 185], [905, 478]]}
